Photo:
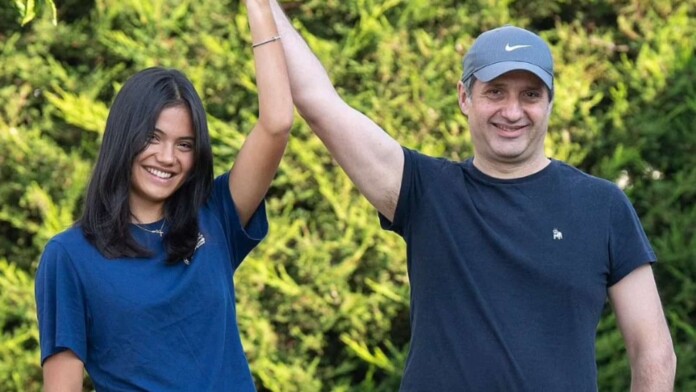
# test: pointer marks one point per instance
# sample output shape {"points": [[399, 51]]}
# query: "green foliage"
{"points": [[29, 9], [648, 144], [19, 353], [323, 302]]}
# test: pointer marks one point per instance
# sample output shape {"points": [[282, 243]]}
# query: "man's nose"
{"points": [[512, 109]]}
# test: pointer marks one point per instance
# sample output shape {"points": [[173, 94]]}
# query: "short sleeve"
{"points": [[629, 247], [420, 175], [403, 203], [61, 305], [240, 239]]}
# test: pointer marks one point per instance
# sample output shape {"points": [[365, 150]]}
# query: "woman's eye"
{"points": [[186, 146]]}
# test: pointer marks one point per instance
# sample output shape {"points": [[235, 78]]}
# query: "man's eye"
{"points": [[494, 93]]}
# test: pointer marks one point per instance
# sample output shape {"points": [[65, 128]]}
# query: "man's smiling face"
{"points": [[508, 118]]}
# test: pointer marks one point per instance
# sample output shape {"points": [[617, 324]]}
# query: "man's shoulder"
{"points": [[583, 181], [433, 162]]}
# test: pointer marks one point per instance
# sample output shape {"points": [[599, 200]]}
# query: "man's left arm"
{"points": [[642, 323]]}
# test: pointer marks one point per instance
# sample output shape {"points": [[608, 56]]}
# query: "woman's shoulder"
{"points": [[71, 235], [69, 239]]}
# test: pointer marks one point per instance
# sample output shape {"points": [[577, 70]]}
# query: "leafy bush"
{"points": [[323, 302], [19, 354]]}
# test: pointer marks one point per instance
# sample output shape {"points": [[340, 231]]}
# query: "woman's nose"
{"points": [[166, 154]]}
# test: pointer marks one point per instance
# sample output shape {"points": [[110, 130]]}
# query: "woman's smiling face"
{"points": [[166, 162]]}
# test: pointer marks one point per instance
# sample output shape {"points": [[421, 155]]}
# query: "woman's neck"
{"points": [[146, 215]]}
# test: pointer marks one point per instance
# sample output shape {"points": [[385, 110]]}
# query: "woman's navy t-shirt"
{"points": [[140, 324]]}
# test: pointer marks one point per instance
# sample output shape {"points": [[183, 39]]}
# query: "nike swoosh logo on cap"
{"points": [[509, 48]]}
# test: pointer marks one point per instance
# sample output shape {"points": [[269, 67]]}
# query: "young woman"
{"points": [[140, 292]]}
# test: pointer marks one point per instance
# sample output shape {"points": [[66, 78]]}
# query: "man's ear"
{"points": [[463, 101]]}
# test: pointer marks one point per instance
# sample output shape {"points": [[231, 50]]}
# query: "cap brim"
{"points": [[486, 74]]}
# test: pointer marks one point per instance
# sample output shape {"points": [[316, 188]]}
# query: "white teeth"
{"points": [[509, 129], [159, 173]]}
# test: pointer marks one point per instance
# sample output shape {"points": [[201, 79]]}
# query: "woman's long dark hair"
{"points": [[132, 118]]}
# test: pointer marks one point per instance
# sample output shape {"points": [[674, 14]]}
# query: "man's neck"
{"points": [[507, 171]]}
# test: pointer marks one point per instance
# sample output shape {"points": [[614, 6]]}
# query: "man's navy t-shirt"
{"points": [[509, 277]]}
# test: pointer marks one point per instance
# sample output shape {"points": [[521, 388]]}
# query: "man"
{"points": [[510, 254]]}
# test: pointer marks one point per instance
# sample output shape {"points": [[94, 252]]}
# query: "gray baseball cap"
{"points": [[506, 49]]}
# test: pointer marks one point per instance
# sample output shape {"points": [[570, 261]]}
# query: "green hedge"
{"points": [[323, 302]]}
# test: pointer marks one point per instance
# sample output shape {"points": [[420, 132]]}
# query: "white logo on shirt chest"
{"points": [[557, 235], [199, 243]]}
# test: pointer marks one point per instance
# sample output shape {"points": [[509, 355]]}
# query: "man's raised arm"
{"points": [[371, 158]]}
